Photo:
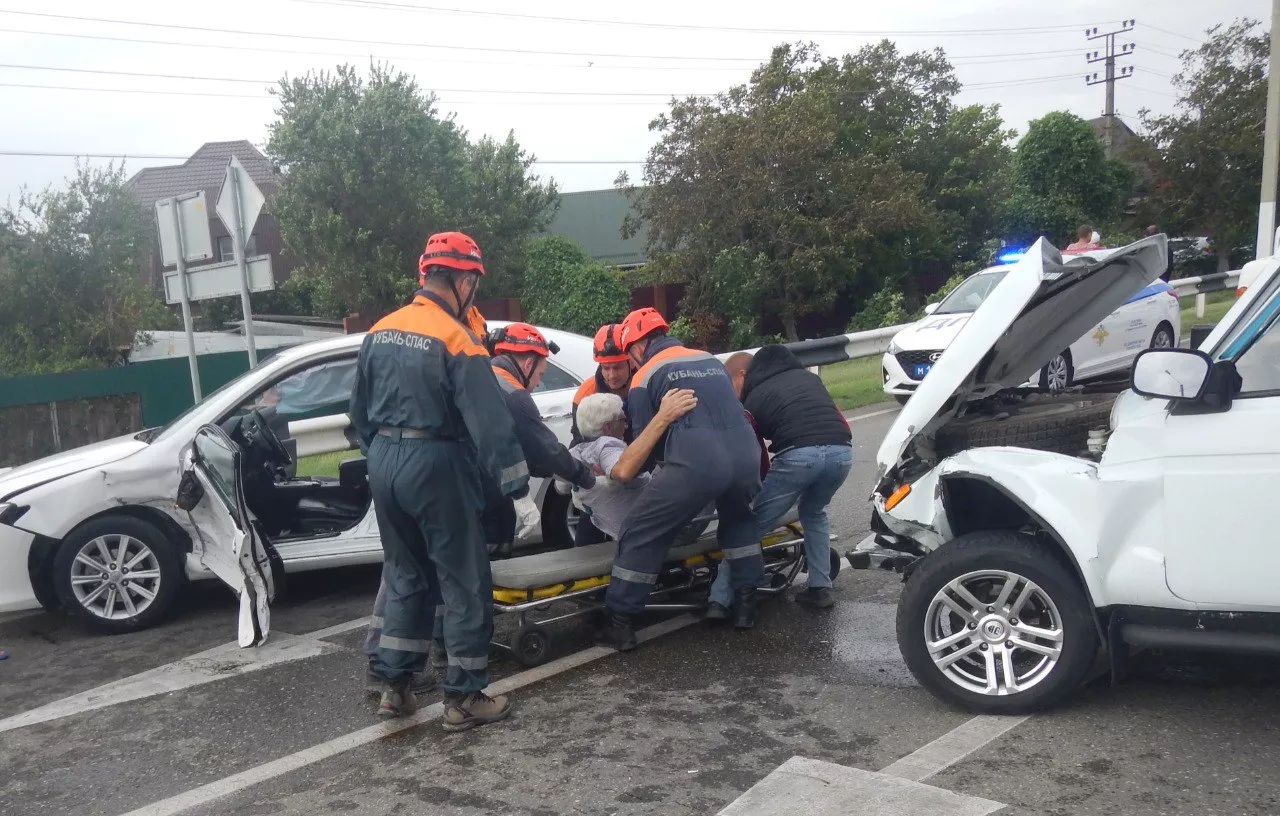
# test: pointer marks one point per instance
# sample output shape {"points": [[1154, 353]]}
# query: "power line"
{"points": [[1009, 83], [243, 33], [135, 74], [54, 154], [955, 59], [272, 82], [1172, 33], [1161, 51], [388, 58], [1153, 91], [134, 90], [493, 91], [443, 102], [386, 5]]}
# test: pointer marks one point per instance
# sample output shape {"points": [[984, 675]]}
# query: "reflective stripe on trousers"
{"points": [[427, 497], [673, 497]]}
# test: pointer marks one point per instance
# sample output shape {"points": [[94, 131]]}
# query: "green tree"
{"points": [[1062, 178], [821, 177], [1207, 155], [565, 289], [370, 168], [71, 294]]}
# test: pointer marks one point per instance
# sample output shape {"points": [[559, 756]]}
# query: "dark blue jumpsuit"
{"points": [[421, 370], [543, 453], [710, 455]]}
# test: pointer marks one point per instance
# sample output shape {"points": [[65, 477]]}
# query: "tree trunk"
{"points": [[789, 326], [1224, 264]]}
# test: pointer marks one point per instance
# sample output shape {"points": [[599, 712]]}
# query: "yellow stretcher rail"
{"points": [[506, 596]]}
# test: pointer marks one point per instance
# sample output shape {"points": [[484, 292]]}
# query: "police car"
{"points": [[1150, 319]]}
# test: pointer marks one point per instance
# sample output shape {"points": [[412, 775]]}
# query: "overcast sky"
{"points": [[612, 78]]}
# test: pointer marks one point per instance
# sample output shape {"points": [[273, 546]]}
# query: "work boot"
{"points": [[397, 701], [463, 711], [744, 608], [816, 597], [715, 613], [422, 682], [616, 633]]}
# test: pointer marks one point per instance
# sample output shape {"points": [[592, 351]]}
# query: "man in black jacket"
{"points": [[812, 455]]}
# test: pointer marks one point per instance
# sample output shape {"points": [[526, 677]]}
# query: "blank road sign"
{"points": [[194, 215], [220, 280]]}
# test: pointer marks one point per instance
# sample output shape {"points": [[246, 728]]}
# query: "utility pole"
{"points": [[1270, 145], [1108, 55]]}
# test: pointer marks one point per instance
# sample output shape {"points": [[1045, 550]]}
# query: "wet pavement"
{"points": [[684, 725]]}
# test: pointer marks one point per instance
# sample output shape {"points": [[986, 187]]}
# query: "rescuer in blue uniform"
{"points": [[429, 411], [709, 455]]}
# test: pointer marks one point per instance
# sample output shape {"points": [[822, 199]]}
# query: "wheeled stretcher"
{"points": [[553, 587]]}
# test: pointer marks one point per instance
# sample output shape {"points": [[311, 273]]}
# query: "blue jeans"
{"points": [[810, 476]]}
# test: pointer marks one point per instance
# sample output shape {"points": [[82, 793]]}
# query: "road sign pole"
{"points": [[1270, 145], [237, 244], [186, 301]]}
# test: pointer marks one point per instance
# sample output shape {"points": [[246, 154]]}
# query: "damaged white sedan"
{"points": [[1022, 562], [106, 533]]}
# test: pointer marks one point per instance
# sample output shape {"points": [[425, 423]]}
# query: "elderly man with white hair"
{"points": [[619, 467]]}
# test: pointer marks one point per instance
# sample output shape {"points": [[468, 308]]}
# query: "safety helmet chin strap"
{"points": [[515, 362], [463, 306]]}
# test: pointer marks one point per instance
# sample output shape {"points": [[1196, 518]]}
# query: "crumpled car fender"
{"points": [[1052, 488]]}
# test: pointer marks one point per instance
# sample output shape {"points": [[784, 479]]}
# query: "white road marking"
{"points": [[810, 787], [338, 629], [325, 750], [952, 747], [217, 663], [883, 412]]}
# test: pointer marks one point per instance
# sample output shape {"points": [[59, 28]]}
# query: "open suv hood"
{"points": [[1044, 304]]}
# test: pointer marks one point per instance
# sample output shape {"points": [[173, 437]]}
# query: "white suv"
{"points": [[1022, 562]]}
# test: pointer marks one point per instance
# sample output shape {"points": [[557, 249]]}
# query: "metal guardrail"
{"points": [[837, 349], [1205, 283], [328, 434]]}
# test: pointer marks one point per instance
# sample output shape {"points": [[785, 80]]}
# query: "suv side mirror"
{"points": [[1175, 374], [930, 308]]}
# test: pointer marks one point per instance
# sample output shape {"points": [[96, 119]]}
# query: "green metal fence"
{"points": [[45, 414]]}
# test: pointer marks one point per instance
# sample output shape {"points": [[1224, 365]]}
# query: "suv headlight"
{"points": [[894, 348]]}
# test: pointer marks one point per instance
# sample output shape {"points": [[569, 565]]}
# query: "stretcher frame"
{"points": [[530, 645]]}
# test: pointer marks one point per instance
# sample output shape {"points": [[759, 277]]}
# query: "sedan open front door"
{"points": [[225, 539]]}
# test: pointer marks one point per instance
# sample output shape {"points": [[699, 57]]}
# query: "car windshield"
{"points": [[969, 295], [152, 434]]}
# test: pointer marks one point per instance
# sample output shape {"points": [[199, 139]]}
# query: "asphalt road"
{"points": [[684, 725]]}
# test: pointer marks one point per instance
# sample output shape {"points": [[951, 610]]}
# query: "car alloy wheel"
{"points": [[115, 577], [993, 632], [1057, 374], [1162, 339]]}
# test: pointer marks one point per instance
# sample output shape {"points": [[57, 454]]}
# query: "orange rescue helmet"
{"points": [[605, 347], [520, 338], [451, 250], [640, 324]]}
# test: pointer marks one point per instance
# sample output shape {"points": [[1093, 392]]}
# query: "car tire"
{"points": [[1058, 374], [1046, 597], [1162, 337], [151, 557], [1059, 423]]}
